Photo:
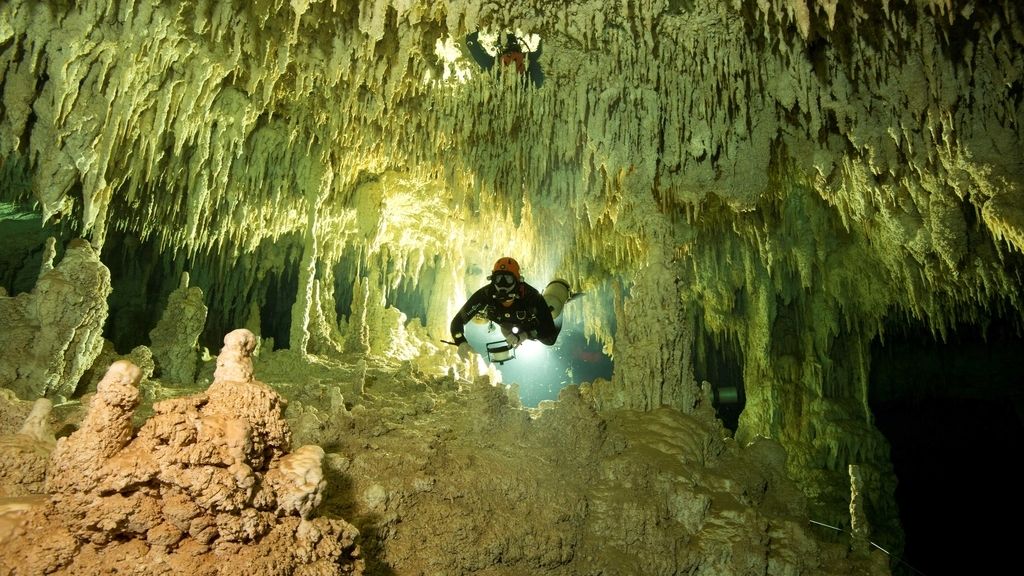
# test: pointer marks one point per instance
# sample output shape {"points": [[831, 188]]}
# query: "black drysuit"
{"points": [[529, 312]]}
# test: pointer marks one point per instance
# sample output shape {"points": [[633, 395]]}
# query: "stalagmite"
{"points": [[54, 333], [175, 338], [858, 516], [206, 485], [23, 456]]}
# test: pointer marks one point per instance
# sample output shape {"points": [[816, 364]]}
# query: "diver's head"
{"points": [[505, 278], [512, 44]]}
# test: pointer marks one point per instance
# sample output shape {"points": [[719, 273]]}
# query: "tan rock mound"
{"points": [[205, 486]]}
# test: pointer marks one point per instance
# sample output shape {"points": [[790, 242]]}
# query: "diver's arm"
{"points": [[535, 54], [547, 332], [482, 57], [456, 328], [475, 303]]}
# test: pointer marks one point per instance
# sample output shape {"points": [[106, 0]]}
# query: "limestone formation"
{"points": [[24, 455], [473, 482], [175, 339], [205, 486], [298, 480], [53, 334]]}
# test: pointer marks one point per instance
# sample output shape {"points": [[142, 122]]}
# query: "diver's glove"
{"points": [[465, 351], [514, 340]]}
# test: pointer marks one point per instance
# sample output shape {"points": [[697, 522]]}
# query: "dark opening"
{"points": [[952, 412], [718, 363], [275, 319]]}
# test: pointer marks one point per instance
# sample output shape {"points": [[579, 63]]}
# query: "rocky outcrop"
{"points": [[52, 335], [205, 486], [462, 480], [24, 455], [175, 339]]}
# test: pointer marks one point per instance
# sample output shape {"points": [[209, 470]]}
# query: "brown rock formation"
{"points": [[54, 333], [24, 455], [205, 486]]}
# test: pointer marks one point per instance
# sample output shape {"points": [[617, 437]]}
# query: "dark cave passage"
{"points": [[953, 413], [718, 362]]}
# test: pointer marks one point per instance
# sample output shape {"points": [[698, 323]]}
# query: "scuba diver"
{"points": [[510, 52], [519, 309]]}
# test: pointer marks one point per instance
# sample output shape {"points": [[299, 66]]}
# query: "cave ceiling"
{"points": [[857, 157]]}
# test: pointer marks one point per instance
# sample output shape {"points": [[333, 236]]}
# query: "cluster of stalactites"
{"points": [[206, 125], [226, 126]]}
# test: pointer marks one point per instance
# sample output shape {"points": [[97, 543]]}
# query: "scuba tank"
{"points": [[556, 294]]}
